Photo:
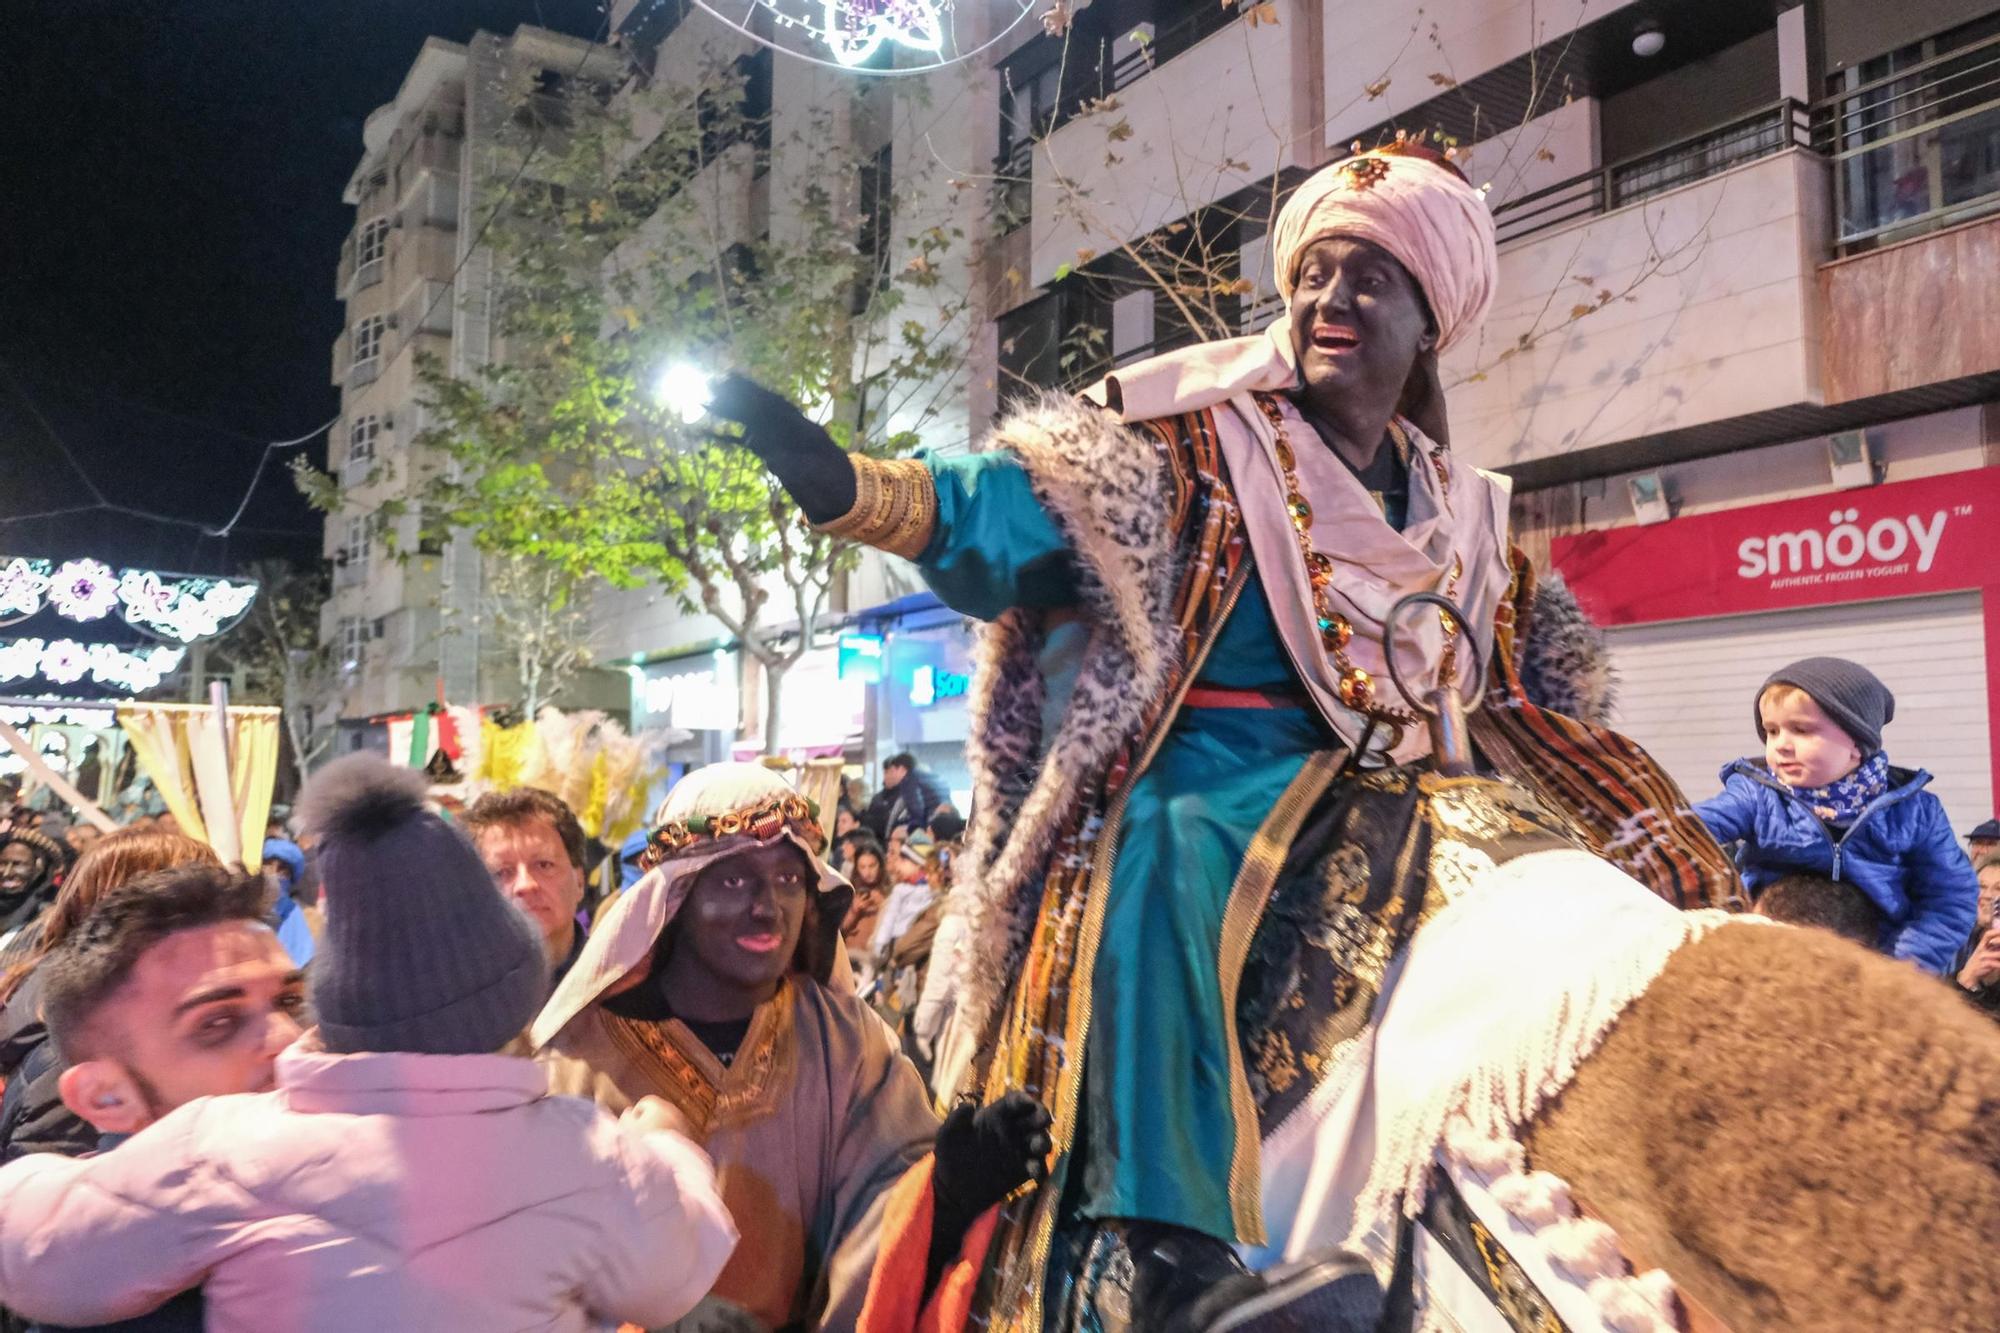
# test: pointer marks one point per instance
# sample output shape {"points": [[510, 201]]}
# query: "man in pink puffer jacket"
{"points": [[400, 1175]]}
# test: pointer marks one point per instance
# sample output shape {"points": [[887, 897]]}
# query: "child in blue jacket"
{"points": [[1824, 801]]}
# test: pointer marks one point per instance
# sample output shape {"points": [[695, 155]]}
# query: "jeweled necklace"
{"points": [[1356, 686]]}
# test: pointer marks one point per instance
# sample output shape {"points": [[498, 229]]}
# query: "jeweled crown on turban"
{"points": [[1413, 203]]}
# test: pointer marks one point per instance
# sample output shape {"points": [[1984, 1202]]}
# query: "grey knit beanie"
{"points": [[421, 952], [1847, 692]]}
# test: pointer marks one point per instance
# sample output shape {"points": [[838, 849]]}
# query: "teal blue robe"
{"points": [[1157, 1132]]}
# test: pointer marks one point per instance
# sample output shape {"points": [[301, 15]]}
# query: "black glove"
{"points": [[984, 1153], [807, 463]]}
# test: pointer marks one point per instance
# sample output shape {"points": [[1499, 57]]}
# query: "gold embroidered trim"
{"points": [[698, 1085], [1247, 899], [762, 820], [895, 506]]}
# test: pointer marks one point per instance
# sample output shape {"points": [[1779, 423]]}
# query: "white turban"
{"points": [[1420, 211]]}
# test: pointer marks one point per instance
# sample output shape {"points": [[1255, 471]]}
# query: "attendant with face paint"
{"points": [[720, 983], [31, 870]]}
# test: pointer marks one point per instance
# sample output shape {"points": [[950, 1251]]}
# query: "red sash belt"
{"points": [[1213, 696]]}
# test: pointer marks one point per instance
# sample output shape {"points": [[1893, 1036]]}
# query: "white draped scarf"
{"points": [[1462, 524]]}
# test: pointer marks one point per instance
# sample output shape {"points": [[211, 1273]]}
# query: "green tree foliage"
{"points": [[622, 251]]}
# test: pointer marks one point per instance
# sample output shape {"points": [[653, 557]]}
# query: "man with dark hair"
{"points": [[532, 843], [172, 989], [1812, 900], [908, 799]]}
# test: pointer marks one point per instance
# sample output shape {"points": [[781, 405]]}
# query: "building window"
{"points": [[1132, 326], [363, 531], [749, 121], [353, 641], [361, 438], [373, 243], [646, 26], [875, 197], [1057, 340], [1110, 44], [368, 339], [1917, 136]]}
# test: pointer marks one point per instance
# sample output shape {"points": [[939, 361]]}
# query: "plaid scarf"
{"points": [[1843, 800]]}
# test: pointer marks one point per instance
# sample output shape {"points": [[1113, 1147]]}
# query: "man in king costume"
{"points": [[1287, 978], [720, 983]]}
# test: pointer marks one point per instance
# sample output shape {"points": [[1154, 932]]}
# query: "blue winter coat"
{"points": [[1900, 851]]}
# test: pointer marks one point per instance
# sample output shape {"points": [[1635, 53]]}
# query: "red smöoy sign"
{"points": [[1937, 534]]}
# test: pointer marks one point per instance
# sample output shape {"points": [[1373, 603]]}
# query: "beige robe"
{"points": [[815, 1119]]}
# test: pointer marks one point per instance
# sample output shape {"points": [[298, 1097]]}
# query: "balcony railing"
{"points": [[1767, 130], [1915, 150], [1087, 79]]}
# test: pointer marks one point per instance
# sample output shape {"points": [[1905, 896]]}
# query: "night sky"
{"points": [[170, 213]]}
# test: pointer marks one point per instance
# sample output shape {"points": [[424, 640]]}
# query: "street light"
{"points": [[683, 389]]}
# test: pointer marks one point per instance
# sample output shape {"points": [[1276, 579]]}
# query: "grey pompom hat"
{"points": [[422, 952]]}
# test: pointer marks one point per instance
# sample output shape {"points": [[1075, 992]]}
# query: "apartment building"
{"points": [[1739, 370], [909, 138], [406, 615]]}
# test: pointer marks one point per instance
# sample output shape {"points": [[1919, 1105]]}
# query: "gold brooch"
{"points": [[1365, 171]]}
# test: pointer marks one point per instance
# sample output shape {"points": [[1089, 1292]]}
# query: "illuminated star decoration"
{"points": [[84, 589], [855, 29]]}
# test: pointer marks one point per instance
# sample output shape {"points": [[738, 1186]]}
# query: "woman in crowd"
{"points": [[871, 888]]}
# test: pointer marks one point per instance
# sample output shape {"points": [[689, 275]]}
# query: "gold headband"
{"points": [[764, 820]]}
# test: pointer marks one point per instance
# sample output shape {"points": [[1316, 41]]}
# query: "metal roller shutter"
{"points": [[1686, 688]]}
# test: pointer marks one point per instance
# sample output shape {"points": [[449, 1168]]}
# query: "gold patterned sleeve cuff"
{"points": [[895, 506]]}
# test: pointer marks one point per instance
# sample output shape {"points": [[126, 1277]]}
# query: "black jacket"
{"points": [[32, 1116], [907, 805]]}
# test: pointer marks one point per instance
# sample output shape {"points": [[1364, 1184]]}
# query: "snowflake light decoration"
{"points": [[20, 658], [22, 584], [84, 589], [854, 32], [855, 29], [179, 608], [65, 661], [186, 610]]}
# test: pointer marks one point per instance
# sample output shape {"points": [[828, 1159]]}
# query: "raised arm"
{"points": [[973, 525]]}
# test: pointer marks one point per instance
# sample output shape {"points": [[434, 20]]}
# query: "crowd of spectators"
{"points": [[138, 976]]}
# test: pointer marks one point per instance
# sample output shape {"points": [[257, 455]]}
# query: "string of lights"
{"points": [[223, 530]]}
